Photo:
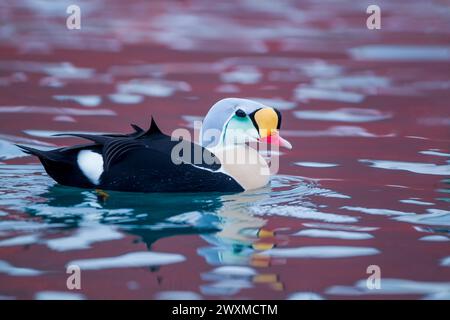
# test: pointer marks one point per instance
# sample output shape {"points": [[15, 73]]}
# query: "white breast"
{"points": [[91, 164], [243, 164]]}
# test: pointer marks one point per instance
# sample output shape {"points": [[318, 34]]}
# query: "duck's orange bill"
{"points": [[277, 140]]}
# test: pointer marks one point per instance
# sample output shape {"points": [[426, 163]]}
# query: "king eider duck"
{"points": [[151, 161]]}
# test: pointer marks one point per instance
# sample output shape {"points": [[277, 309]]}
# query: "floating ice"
{"points": [[433, 217], [435, 238], [420, 203], [304, 296], [227, 287], [84, 100], [435, 153], [19, 241], [129, 260], [9, 269], [339, 226], [367, 82], [62, 70], [320, 69], [305, 94], [243, 75], [401, 53], [343, 115], [64, 119], [277, 103], [83, 238], [56, 110], [416, 167], [178, 295], [55, 134], [316, 164], [336, 131], [227, 88], [58, 295], [446, 262], [303, 213], [152, 87], [321, 252], [376, 211], [393, 287], [13, 225], [235, 271], [347, 235], [125, 98]]}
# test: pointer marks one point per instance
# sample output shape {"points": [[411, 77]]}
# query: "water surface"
{"points": [[367, 182]]}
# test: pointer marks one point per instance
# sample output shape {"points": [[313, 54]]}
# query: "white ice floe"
{"points": [[413, 201], [178, 295], [435, 153], [58, 295], [446, 262], [277, 103], [19, 241], [242, 75], [9, 269], [416, 167], [227, 88], [304, 296], [335, 234], [321, 252], [84, 237], [56, 134], [62, 70], [84, 100], [56, 110], [13, 225], [235, 271], [152, 87], [335, 226], [316, 164], [129, 260], [64, 118], [393, 287], [302, 213], [401, 53], [364, 82], [343, 115], [433, 217], [335, 131], [305, 94], [377, 211], [435, 238], [227, 287], [125, 98]]}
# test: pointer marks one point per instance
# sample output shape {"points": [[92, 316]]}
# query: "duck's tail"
{"points": [[32, 151]]}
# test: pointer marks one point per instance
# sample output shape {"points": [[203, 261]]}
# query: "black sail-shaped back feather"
{"points": [[152, 130]]}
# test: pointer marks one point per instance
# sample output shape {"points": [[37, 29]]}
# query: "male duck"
{"points": [[150, 161]]}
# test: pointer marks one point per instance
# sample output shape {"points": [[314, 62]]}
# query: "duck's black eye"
{"points": [[240, 113]]}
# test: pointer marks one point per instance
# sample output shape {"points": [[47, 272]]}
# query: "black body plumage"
{"points": [[140, 161]]}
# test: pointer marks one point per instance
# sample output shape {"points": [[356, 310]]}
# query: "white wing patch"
{"points": [[91, 164]]}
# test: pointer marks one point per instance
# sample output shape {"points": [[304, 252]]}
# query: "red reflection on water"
{"points": [[208, 52]]}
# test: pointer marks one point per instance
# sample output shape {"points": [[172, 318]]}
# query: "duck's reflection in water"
{"points": [[234, 235], [234, 249]]}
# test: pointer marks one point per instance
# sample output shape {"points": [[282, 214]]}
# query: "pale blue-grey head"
{"points": [[260, 122]]}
